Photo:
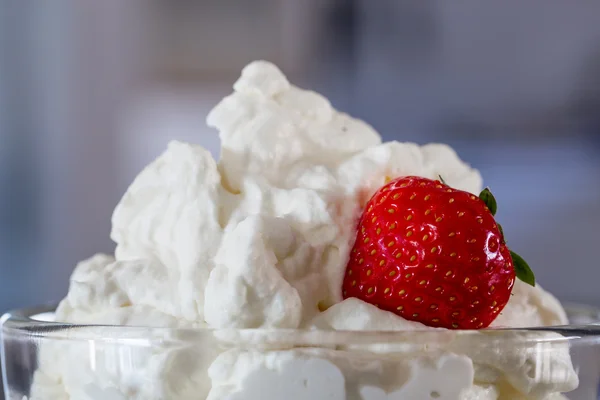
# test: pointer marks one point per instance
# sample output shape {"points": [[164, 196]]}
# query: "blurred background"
{"points": [[92, 91]]}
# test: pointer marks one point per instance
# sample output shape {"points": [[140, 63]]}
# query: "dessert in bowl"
{"points": [[312, 261]]}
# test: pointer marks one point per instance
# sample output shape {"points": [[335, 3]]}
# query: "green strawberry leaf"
{"points": [[489, 200], [522, 270]]}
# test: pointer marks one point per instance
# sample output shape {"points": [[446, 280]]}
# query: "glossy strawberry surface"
{"points": [[432, 254]]}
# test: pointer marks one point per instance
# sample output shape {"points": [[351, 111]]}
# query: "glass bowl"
{"points": [[45, 360]]}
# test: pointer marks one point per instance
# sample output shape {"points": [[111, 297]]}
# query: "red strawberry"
{"points": [[433, 254]]}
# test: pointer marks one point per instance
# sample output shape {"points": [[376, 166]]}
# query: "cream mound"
{"points": [[260, 239]]}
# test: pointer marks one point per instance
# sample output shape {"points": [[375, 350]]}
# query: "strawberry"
{"points": [[433, 254]]}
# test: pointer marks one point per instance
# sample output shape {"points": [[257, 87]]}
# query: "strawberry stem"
{"points": [[490, 201], [442, 180], [522, 269]]}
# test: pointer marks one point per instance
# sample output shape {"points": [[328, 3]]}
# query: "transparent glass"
{"points": [[44, 360]]}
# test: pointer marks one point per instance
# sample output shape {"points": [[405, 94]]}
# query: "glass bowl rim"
{"points": [[21, 323]]}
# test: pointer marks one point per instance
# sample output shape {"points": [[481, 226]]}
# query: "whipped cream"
{"points": [[169, 219], [307, 374], [260, 239]]}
